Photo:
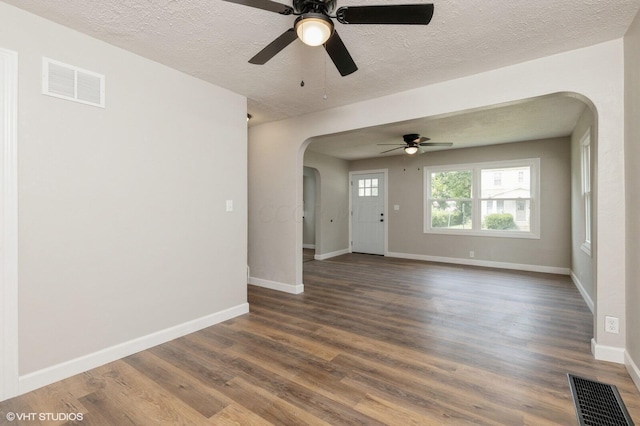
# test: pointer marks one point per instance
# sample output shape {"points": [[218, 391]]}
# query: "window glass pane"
{"points": [[374, 192], [451, 214], [367, 183], [513, 182], [374, 183], [497, 178], [453, 184], [367, 192], [512, 215], [360, 192], [361, 183]]}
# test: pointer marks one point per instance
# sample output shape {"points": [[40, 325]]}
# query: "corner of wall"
{"points": [[633, 369], [607, 353], [583, 292]]}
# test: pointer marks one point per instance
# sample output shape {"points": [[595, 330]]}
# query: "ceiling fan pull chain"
{"points": [[325, 78]]}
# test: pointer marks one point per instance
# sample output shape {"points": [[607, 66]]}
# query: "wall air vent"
{"points": [[72, 83]]}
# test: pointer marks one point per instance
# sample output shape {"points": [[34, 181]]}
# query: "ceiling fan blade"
{"points": [[271, 6], [396, 144], [423, 139], [274, 47], [436, 144], [392, 149], [402, 14], [340, 55]]}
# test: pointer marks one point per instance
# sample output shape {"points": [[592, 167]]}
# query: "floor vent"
{"points": [[597, 403]]}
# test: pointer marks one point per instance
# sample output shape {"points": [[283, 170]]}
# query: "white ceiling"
{"points": [[541, 118], [213, 40]]}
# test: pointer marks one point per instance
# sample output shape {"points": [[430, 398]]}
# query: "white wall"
{"points": [[632, 184], [333, 203], [550, 253], [123, 235], [309, 200], [276, 152]]}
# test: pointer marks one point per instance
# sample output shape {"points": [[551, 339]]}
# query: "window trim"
{"points": [[586, 191], [476, 168]]}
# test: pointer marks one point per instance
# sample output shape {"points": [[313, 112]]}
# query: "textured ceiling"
{"points": [[540, 118], [213, 40]]}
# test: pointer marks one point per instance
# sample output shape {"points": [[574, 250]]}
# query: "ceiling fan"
{"points": [[413, 142], [314, 25]]}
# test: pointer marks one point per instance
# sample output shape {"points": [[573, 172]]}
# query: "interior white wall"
{"points": [[309, 200], [632, 185], [123, 232], [596, 72], [333, 205]]}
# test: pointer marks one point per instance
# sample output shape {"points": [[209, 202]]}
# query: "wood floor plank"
{"points": [[143, 401], [372, 340], [393, 413], [183, 387], [234, 415]]}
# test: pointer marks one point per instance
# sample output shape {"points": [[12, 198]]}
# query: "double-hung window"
{"points": [[496, 198]]}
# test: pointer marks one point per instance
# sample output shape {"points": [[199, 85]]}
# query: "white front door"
{"points": [[367, 213]]}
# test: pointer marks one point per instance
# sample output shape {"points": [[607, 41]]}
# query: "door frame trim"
{"points": [[9, 368], [385, 172]]}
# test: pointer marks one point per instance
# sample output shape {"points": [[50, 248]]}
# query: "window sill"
{"points": [[470, 233]]}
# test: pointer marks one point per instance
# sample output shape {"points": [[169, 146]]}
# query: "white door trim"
{"points": [[386, 206], [9, 385]]}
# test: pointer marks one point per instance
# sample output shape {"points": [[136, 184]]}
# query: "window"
{"points": [[497, 178], [586, 191], [499, 199], [367, 187], [450, 199]]}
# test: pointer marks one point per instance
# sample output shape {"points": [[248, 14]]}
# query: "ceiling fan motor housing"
{"points": [[319, 6], [411, 138]]}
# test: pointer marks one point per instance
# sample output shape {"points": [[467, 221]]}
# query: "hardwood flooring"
{"points": [[308, 255], [371, 341]]}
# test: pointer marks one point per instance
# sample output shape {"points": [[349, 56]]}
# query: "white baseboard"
{"points": [[583, 292], [55, 373], [309, 246], [274, 285], [326, 256], [607, 353], [633, 369], [483, 263]]}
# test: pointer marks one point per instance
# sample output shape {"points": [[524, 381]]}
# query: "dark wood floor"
{"points": [[372, 340]]}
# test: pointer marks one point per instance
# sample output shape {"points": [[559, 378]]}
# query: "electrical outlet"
{"points": [[472, 254], [611, 325]]}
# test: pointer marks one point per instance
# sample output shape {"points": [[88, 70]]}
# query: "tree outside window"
{"points": [[451, 199]]}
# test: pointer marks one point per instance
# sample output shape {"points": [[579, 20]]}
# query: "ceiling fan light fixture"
{"points": [[412, 149], [314, 29]]}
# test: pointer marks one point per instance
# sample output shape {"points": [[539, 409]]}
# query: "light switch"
{"points": [[229, 205], [396, 206]]}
